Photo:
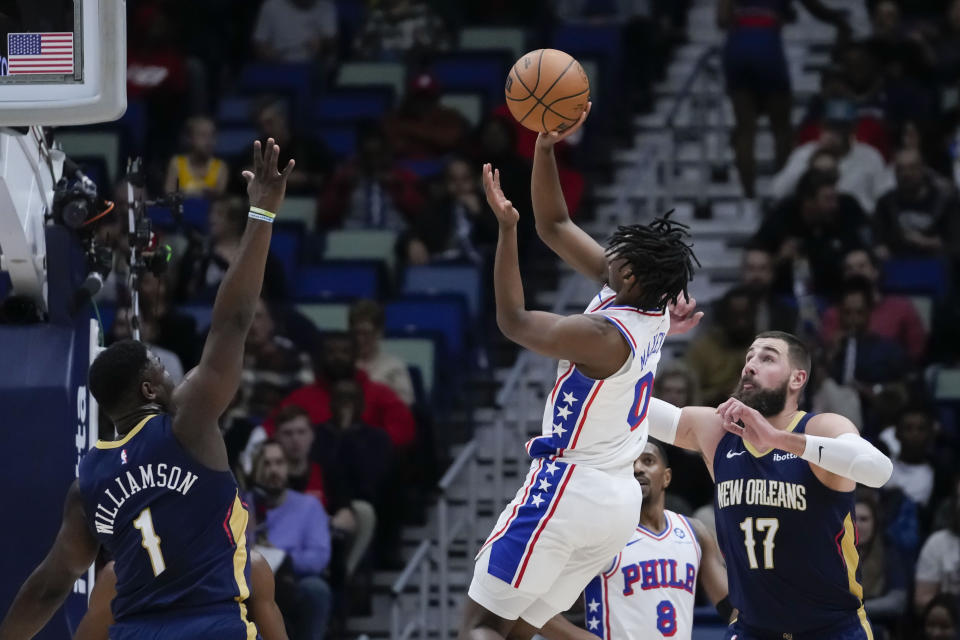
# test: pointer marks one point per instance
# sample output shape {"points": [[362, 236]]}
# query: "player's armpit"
{"points": [[590, 341], [73, 551], [559, 628]]}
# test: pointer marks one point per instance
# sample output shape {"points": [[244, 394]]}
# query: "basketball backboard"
{"points": [[62, 62]]}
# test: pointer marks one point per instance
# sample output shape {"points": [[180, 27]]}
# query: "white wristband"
{"points": [[663, 419], [850, 456], [262, 214]]}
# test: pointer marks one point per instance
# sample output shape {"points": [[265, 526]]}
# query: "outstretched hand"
{"points": [[265, 185], [683, 317], [749, 424], [506, 214], [547, 140]]}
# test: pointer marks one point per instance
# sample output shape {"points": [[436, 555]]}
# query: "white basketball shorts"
{"points": [[565, 525]]}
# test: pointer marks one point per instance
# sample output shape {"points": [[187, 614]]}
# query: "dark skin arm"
{"points": [[593, 343], [713, 570], [98, 618], [208, 389], [263, 609], [73, 551]]}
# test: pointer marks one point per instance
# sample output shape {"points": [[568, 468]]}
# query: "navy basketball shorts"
{"points": [[856, 629], [221, 623]]}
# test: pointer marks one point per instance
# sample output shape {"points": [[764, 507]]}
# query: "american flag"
{"points": [[40, 52]]}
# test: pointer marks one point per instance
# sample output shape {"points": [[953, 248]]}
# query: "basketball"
{"points": [[547, 90]]}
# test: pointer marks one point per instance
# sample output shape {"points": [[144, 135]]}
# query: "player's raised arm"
{"points": [[567, 240], [208, 389], [589, 341], [73, 551]]}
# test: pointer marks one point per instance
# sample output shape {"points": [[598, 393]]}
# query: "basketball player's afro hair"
{"points": [[116, 373], [659, 257]]}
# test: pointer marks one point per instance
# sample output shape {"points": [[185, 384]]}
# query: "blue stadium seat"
{"points": [[338, 279], [161, 218], [134, 125], [340, 139], [482, 71], [444, 314], [424, 167], [290, 78], [352, 105], [201, 313], [108, 312], [235, 110], [235, 142], [919, 276], [595, 39], [458, 279], [285, 247], [196, 213]]}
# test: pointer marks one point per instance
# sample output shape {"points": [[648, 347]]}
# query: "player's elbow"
{"points": [[873, 469]]}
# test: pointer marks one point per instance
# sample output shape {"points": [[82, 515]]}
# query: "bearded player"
{"points": [[784, 497]]}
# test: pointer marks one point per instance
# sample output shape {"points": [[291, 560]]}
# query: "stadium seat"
{"points": [[235, 142], [196, 213], [470, 106], [108, 313], [161, 218], [924, 307], [133, 122], [352, 105], [362, 244], [458, 279], [235, 110], [510, 39], [474, 71], [444, 314], [947, 385], [424, 168], [285, 247], [201, 313], [326, 316], [367, 74], [100, 144], [293, 79], [416, 352], [340, 139], [338, 279], [300, 209], [915, 276]]}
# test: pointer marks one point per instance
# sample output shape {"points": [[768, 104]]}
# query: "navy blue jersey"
{"points": [[788, 540], [176, 528]]}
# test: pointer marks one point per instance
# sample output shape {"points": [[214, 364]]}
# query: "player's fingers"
{"points": [[732, 427], [274, 159], [248, 176], [287, 169], [257, 157]]}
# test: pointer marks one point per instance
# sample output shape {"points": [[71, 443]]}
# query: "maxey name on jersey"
{"points": [[133, 482]]}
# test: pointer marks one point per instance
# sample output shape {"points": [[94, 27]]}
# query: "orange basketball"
{"points": [[547, 90]]}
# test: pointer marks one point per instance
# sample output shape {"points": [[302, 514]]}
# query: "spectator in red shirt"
{"points": [[335, 360], [421, 126], [892, 317]]}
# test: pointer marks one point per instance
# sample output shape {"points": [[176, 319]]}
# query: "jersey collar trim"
{"points": [[790, 427], [113, 444]]}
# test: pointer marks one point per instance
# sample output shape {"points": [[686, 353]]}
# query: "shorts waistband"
{"points": [[811, 634]]}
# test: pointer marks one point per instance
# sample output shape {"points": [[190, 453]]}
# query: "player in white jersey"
{"points": [[648, 590], [579, 503]]}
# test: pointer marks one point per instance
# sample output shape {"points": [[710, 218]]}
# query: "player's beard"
{"points": [[769, 402]]}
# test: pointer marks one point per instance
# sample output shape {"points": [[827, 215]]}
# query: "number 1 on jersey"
{"points": [[151, 541], [770, 525]]}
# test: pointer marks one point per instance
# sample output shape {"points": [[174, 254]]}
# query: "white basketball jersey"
{"points": [[602, 423], [649, 589]]}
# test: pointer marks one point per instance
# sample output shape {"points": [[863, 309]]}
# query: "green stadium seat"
{"points": [[510, 38], [326, 316], [300, 209], [366, 74], [362, 244], [93, 144], [417, 352], [470, 105]]}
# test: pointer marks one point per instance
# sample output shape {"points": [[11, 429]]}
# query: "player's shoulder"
{"points": [[829, 425]]}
